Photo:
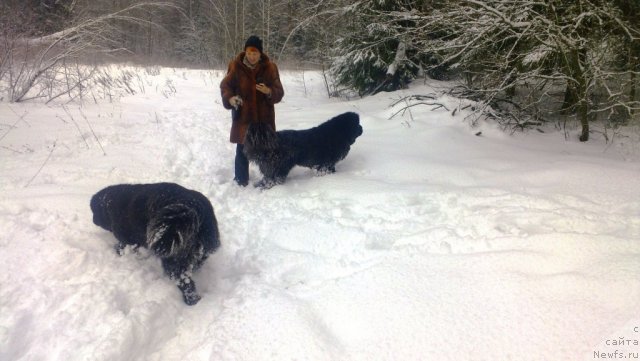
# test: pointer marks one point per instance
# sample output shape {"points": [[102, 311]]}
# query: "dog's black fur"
{"points": [[319, 148], [176, 223]]}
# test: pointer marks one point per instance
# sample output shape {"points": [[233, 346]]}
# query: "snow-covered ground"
{"points": [[429, 243]]}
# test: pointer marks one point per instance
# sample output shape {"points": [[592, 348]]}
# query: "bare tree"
{"points": [[47, 34], [52, 65]]}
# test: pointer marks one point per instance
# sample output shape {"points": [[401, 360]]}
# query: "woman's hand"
{"points": [[235, 101], [263, 89]]}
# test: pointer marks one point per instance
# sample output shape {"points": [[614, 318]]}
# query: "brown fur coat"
{"points": [[257, 107]]}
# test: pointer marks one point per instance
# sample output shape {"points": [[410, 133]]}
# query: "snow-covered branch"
{"points": [[513, 50], [33, 65]]}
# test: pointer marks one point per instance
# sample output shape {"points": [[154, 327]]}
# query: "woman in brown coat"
{"points": [[250, 89]]}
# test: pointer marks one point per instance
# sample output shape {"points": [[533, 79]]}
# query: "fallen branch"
{"points": [[420, 99], [93, 132], [416, 97], [43, 164], [77, 126], [13, 126]]}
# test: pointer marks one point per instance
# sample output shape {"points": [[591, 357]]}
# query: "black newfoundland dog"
{"points": [[176, 223], [319, 148]]}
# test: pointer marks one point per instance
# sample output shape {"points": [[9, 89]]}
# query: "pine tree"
{"points": [[530, 49], [374, 52]]}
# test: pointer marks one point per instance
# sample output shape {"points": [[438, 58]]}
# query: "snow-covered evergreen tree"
{"points": [[375, 52], [531, 48]]}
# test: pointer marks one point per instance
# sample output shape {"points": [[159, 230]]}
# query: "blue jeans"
{"points": [[241, 167]]}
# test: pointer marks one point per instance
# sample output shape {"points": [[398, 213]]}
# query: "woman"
{"points": [[250, 89]]}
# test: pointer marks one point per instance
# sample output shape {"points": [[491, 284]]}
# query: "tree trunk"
{"points": [[632, 93], [633, 65], [583, 111], [576, 97], [570, 100]]}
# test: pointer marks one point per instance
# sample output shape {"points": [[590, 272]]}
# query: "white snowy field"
{"points": [[429, 243]]}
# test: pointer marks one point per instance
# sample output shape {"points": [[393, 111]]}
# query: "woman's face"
{"points": [[253, 55]]}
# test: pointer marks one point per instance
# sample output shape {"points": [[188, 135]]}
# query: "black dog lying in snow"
{"points": [[319, 148], [176, 223]]}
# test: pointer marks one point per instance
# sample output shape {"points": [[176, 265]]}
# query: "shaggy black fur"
{"points": [[176, 223], [319, 148]]}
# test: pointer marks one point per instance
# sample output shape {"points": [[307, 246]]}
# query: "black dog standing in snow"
{"points": [[176, 223], [319, 148]]}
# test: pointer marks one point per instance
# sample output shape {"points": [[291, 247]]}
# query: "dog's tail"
{"points": [[261, 137], [170, 232]]}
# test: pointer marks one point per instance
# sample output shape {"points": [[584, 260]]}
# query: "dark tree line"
{"points": [[189, 32], [52, 48], [524, 61]]}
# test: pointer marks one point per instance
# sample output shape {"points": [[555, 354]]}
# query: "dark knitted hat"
{"points": [[253, 41]]}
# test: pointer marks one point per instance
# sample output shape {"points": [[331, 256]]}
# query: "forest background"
{"points": [[527, 63]]}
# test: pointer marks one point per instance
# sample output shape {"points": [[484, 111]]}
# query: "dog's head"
{"points": [[260, 137], [99, 204], [350, 124], [355, 132]]}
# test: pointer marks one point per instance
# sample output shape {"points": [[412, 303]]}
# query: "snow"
{"points": [[429, 243]]}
